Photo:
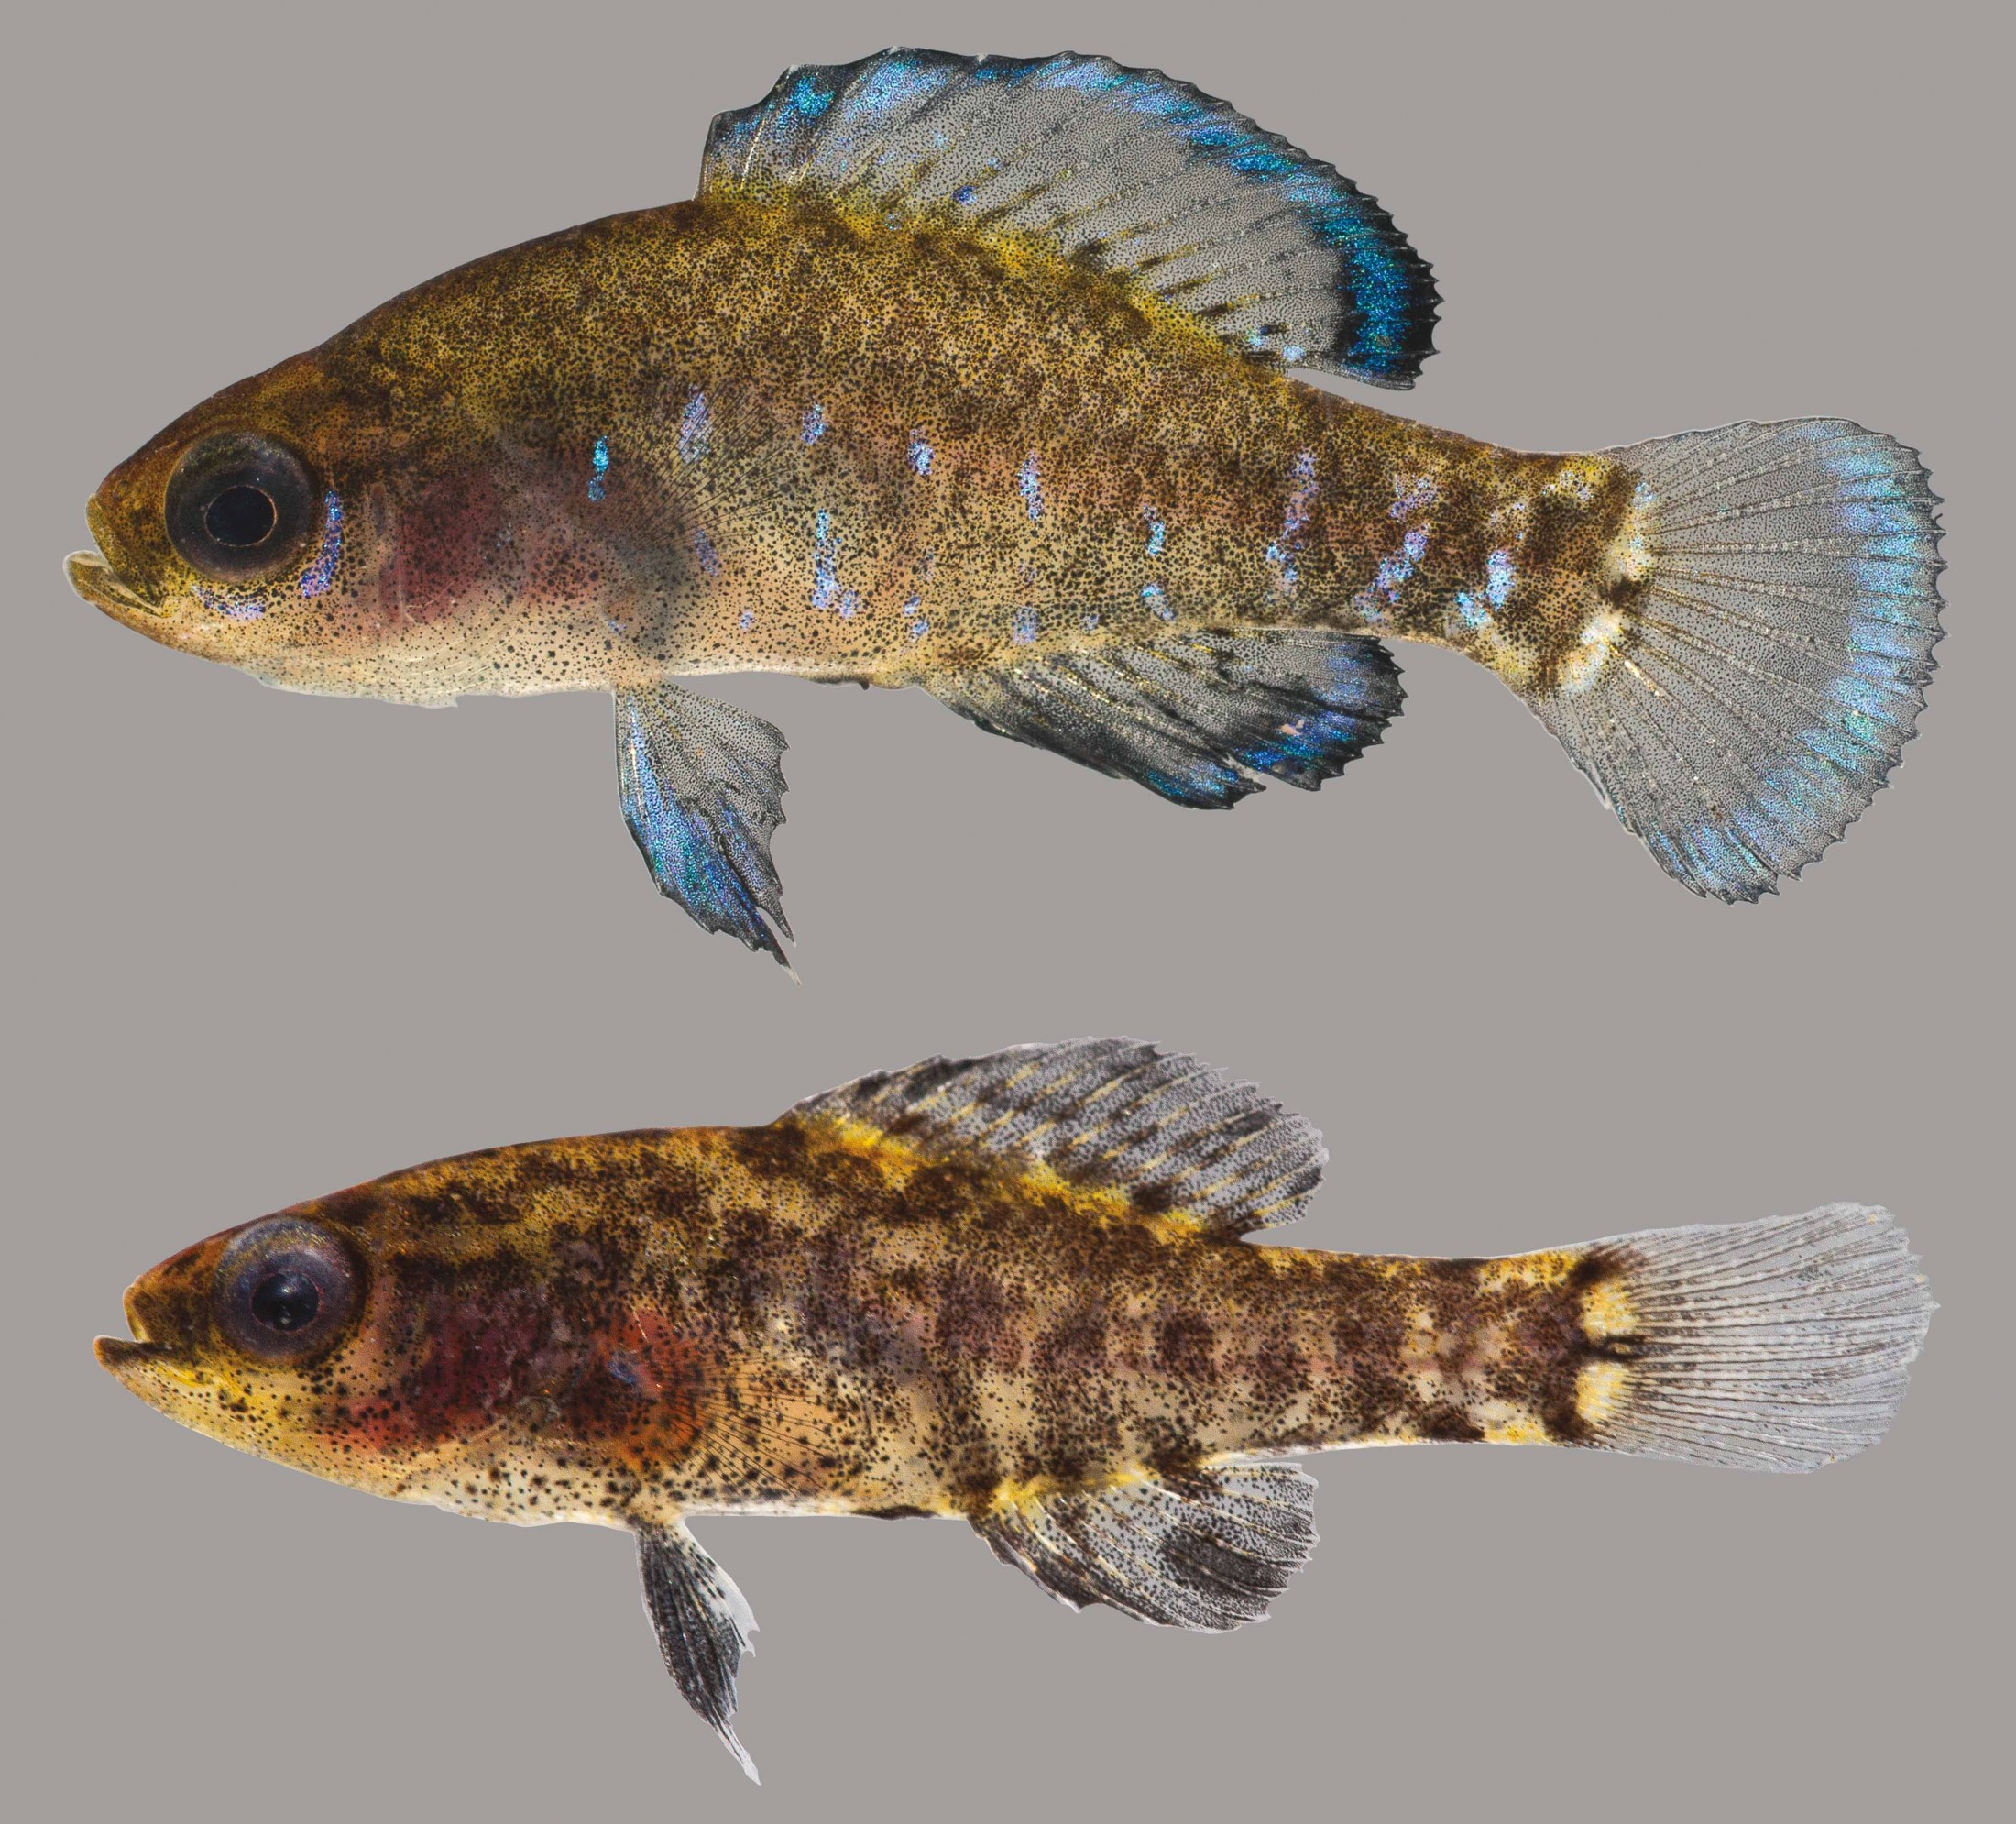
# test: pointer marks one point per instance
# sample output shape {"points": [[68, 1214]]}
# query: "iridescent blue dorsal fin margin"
{"points": [[1178, 194]]}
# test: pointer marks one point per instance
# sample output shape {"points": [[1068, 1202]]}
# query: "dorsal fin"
{"points": [[1174, 1136], [1152, 179]]}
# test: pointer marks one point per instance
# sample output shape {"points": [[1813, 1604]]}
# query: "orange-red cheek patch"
{"points": [[638, 1392]]}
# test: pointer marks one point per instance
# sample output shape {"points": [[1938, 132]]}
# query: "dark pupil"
{"points": [[239, 516], [286, 1300]]}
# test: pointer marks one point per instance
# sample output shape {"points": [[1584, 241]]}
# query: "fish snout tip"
{"points": [[118, 1352], [95, 581], [140, 1350]]}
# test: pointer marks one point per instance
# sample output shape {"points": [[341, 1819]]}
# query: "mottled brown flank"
{"points": [[459, 424], [800, 1318]]}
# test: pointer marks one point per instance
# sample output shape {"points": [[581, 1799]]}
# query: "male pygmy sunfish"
{"points": [[1013, 1290], [973, 374]]}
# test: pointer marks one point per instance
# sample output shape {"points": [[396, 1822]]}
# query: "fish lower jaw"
{"points": [[117, 1352], [98, 583], [127, 1358]]}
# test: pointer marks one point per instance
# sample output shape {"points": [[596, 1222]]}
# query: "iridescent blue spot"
{"points": [[695, 425], [748, 620], [1151, 593], [1158, 535], [964, 195], [232, 608], [703, 548], [598, 460], [809, 99], [1030, 486], [1497, 585], [883, 90], [920, 454], [849, 600], [316, 579], [1090, 623], [814, 427], [826, 572], [1024, 625], [1411, 494], [1473, 615], [919, 628]]}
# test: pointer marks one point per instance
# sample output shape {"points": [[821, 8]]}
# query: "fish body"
{"points": [[1015, 1291], [975, 375], [772, 433], [800, 1319]]}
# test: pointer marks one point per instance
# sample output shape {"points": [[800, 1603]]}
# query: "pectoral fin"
{"points": [[703, 1624], [1208, 1550], [703, 791]]}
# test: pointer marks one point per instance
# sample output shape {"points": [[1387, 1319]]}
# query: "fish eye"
{"points": [[285, 1291], [241, 507], [241, 516]]}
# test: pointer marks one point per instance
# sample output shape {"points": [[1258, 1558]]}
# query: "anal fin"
{"points": [[703, 1624], [1208, 1550], [1201, 718], [703, 792]]}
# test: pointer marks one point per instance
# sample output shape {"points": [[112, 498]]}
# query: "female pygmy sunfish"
{"points": [[972, 374], [1014, 1289]]}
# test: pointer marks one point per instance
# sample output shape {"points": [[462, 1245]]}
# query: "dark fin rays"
{"points": [[703, 793], [1169, 1134], [1179, 195], [703, 1625], [1203, 718], [1208, 1550]]}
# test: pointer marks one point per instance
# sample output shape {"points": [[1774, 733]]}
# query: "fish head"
{"points": [[463, 1334], [249, 1336], [245, 531]]}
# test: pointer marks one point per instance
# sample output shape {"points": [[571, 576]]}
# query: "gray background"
{"points": [[263, 945]]}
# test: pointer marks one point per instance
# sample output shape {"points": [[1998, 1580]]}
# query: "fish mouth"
{"points": [[119, 1355], [99, 584], [140, 1354]]}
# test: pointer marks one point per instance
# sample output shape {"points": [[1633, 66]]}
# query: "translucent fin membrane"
{"points": [[1179, 194], [1171, 1134], [703, 790], [1208, 1550], [1202, 718], [1777, 663], [1779, 1344]]}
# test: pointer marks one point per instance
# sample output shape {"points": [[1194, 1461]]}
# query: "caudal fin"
{"points": [[1779, 1344], [1774, 661]]}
